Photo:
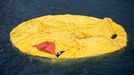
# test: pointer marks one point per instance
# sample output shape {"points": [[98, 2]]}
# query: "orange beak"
{"points": [[46, 47]]}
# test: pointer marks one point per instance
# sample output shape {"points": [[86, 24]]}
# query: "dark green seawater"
{"points": [[13, 62]]}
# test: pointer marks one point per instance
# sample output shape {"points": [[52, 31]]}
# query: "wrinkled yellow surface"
{"points": [[79, 36]]}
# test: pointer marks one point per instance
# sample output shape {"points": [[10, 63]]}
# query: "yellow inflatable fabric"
{"points": [[68, 36]]}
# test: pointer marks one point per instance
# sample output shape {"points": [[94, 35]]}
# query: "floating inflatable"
{"points": [[68, 36]]}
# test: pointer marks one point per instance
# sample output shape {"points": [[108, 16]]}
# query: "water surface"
{"points": [[13, 62]]}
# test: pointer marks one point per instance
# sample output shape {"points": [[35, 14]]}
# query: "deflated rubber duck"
{"points": [[68, 36]]}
